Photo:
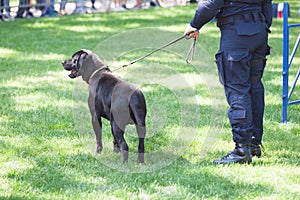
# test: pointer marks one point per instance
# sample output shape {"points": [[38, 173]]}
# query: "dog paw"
{"points": [[98, 150], [116, 149], [141, 162], [125, 156], [141, 158]]}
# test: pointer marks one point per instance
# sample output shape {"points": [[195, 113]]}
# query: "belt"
{"points": [[246, 17]]}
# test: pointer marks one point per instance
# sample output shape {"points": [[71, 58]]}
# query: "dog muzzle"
{"points": [[74, 73]]}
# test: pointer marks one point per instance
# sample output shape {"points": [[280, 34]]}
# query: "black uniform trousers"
{"points": [[241, 62]]}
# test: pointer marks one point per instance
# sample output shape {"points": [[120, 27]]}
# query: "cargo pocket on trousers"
{"points": [[239, 114], [220, 65], [239, 66]]}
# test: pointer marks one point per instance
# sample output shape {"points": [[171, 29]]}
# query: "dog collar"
{"points": [[93, 74]]}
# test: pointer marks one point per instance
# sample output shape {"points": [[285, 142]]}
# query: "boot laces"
{"points": [[228, 154]]}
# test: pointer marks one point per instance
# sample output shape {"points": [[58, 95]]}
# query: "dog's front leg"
{"points": [[116, 145], [118, 134], [96, 122], [97, 126]]}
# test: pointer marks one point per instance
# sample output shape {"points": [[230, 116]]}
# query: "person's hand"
{"points": [[191, 32]]}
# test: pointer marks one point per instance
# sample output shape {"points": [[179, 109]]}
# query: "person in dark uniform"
{"points": [[241, 59]]}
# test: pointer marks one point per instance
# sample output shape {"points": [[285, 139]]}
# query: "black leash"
{"points": [[189, 56]]}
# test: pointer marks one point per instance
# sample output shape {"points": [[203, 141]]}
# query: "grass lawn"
{"points": [[46, 139]]}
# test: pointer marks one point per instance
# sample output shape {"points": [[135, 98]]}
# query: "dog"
{"points": [[111, 98]]}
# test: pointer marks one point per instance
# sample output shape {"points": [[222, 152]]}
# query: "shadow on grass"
{"points": [[14, 197], [81, 173]]}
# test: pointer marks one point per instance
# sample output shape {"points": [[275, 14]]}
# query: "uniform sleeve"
{"points": [[206, 10], [267, 11]]}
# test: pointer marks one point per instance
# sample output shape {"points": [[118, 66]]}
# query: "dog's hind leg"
{"points": [[118, 134], [97, 126], [141, 130], [138, 114]]}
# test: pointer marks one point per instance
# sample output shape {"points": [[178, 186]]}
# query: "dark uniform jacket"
{"points": [[207, 9]]}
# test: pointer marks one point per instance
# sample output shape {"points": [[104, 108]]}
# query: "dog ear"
{"points": [[81, 51]]}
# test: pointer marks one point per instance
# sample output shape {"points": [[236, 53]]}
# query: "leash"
{"points": [[189, 56], [191, 52]]}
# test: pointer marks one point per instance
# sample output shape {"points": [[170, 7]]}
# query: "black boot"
{"points": [[241, 154], [255, 150]]}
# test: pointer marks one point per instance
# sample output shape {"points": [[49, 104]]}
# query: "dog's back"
{"points": [[118, 99]]}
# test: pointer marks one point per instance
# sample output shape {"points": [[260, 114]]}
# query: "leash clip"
{"points": [[191, 52]]}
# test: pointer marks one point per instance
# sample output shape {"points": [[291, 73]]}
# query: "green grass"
{"points": [[46, 139]]}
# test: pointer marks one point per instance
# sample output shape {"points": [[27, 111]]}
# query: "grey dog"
{"points": [[112, 98]]}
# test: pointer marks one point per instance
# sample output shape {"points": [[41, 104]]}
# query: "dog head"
{"points": [[84, 63], [75, 63]]}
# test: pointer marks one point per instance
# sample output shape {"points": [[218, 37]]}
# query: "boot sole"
{"points": [[234, 162]]}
